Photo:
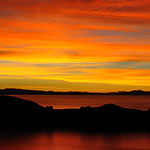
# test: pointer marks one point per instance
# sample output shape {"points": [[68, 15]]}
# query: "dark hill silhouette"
{"points": [[110, 107], [13, 91], [16, 113], [13, 104]]}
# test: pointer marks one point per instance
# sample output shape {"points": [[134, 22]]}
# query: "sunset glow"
{"points": [[80, 45]]}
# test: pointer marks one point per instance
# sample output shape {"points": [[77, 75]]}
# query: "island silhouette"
{"points": [[16, 113]]}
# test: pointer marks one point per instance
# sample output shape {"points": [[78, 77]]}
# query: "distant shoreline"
{"points": [[13, 91]]}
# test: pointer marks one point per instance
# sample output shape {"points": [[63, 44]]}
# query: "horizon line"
{"points": [[36, 90]]}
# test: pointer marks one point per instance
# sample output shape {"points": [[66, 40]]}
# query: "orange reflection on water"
{"points": [[75, 141], [76, 101]]}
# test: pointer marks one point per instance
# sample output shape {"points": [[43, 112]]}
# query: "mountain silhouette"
{"points": [[13, 91]]}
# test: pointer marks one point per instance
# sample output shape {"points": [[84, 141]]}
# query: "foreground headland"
{"points": [[16, 113]]}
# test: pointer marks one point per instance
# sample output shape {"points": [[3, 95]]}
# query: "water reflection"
{"points": [[67, 140], [76, 101]]}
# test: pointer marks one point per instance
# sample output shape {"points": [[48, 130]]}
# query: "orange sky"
{"points": [[80, 45]]}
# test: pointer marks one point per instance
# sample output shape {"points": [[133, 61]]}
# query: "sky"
{"points": [[75, 45]]}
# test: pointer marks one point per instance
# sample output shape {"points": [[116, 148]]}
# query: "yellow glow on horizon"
{"points": [[77, 42]]}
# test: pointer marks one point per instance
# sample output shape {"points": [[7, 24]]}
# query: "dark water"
{"points": [[74, 141], [76, 101], [69, 140]]}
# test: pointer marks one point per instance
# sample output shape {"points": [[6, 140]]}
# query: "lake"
{"points": [[76, 101], [67, 140], [75, 140]]}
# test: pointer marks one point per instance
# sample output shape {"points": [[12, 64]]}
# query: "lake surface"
{"points": [[74, 140], [76, 101], [59, 140]]}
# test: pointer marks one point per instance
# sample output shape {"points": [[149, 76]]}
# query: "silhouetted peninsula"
{"points": [[12, 91], [16, 113]]}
